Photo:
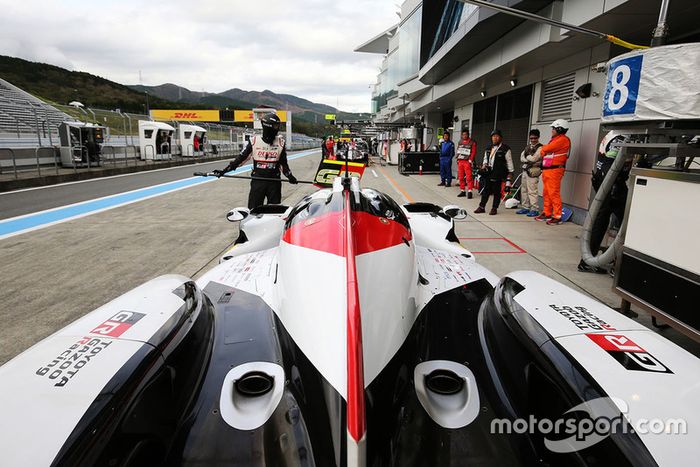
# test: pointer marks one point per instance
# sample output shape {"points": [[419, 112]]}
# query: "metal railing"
{"points": [[14, 162], [53, 153]]}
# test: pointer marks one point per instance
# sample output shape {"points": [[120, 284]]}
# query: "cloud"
{"points": [[300, 47]]}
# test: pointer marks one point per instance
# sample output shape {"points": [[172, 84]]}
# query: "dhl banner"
{"points": [[328, 170], [247, 115], [186, 115]]}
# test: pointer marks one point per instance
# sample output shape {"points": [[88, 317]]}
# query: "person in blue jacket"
{"points": [[447, 152]]}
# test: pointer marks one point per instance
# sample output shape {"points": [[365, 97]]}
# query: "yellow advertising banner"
{"points": [[330, 116], [186, 115], [247, 115]]}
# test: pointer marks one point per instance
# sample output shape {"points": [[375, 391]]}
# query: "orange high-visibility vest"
{"points": [[556, 152]]}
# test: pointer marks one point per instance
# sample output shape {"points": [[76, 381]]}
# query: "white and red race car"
{"points": [[348, 330]]}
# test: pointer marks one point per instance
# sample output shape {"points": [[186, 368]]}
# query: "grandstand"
{"points": [[23, 115], [29, 135]]}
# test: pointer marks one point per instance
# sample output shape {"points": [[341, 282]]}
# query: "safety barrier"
{"points": [[53, 153], [14, 162]]}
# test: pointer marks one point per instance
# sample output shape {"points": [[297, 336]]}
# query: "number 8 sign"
{"points": [[623, 86]]}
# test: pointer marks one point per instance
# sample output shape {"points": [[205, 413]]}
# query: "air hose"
{"points": [[607, 257]]}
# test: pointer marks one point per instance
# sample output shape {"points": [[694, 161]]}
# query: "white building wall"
{"points": [[584, 131]]}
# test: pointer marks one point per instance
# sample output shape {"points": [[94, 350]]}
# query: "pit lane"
{"points": [[56, 274]]}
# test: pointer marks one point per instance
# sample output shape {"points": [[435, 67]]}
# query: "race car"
{"points": [[354, 150], [348, 330]]}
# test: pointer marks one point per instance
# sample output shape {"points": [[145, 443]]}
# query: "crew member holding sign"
{"points": [[269, 156], [554, 155], [466, 150]]}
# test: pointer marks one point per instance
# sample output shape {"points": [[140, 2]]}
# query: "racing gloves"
{"points": [[219, 173], [292, 179]]}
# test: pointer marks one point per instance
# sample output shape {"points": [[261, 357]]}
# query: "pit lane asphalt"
{"points": [[22, 202], [53, 276]]}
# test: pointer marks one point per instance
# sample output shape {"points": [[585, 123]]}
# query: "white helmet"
{"points": [[560, 123], [511, 203]]}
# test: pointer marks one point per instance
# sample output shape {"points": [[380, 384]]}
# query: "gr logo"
{"points": [[118, 324], [622, 89], [628, 354]]}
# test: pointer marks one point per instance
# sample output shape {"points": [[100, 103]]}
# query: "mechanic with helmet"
{"points": [[269, 157], [496, 168], [554, 155], [614, 203]]}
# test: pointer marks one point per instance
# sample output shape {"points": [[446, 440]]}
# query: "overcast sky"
{"points": [[300, 47]]}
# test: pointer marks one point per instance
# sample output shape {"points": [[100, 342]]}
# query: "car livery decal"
{"points": [[582, 318], [69, 362], [628, 354], [118, 324]]}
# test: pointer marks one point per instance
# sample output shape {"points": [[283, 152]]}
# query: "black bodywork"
{"points": [[165, 410], [162, 408]]}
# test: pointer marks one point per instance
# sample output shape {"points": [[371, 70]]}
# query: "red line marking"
{"points": [[355, 371], [520, 250], [514, 245]]}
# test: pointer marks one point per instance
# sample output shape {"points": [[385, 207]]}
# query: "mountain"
{"points": [[58, 85], [240, 99]]}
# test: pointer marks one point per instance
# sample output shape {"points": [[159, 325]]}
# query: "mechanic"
{"points": [[496, 168], [532, 169], [323, 148], [466, 150], [447, 152], [330, 147], [614, 203], [554, 155], [269, 156]]}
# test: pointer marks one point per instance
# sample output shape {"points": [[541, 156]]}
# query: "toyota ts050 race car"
{"points": [[348, 330]]}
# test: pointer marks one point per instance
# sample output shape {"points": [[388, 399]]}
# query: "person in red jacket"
{"points": [[554, 156], [466, 150], [330, 148], [195, 144]]}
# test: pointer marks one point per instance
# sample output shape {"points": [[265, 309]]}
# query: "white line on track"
{"points": [[374, 173]]}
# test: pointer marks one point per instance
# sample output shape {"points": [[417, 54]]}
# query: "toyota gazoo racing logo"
{"points": [[588, 424]]}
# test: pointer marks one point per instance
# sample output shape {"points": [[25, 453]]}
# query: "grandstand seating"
{"points": [[22, 113]]}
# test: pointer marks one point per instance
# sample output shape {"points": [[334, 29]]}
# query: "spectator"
{"points": [[447, 152], [496, 168], [532, 169], [554, 157], [195, 143], [466, 151], [323, 148]]}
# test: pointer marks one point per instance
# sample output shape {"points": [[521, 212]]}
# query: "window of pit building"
{"points": [[409, 45], [557, 97], [453, 14]]}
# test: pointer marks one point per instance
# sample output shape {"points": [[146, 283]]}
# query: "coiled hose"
{"points": [[607, 257]]}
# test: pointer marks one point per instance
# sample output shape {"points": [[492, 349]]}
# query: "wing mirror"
{"points": [[455, 212], [237, 214]]}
